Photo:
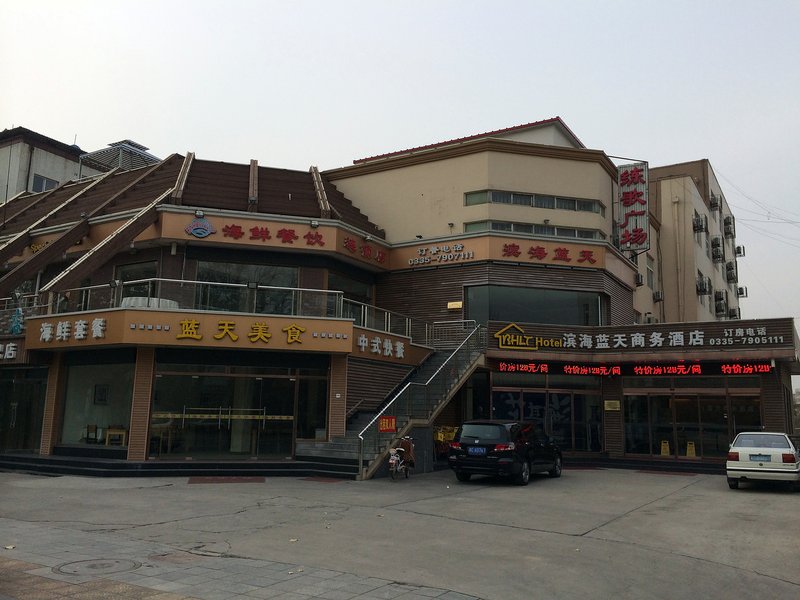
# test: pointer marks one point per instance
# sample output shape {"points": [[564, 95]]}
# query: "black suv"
{"points": [[503, 448]]}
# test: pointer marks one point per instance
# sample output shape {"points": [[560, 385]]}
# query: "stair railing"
{"points": [[417, 401]]}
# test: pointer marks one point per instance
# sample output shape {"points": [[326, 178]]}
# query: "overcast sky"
{"points": [[300, 83]]}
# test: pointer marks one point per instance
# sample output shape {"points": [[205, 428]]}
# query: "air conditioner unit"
{"points": [[739, 251], [639, 279], [658, 296], [728, 227], [734, 313], [717, 254], [731, 275], [714, 202], [703, 286], [741, 292], [716, 241], [721, 307], [700, 223], [719, 296], [650, 319]]}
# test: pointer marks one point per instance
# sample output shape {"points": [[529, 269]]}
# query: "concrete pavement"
{"points": [[590, 534]]}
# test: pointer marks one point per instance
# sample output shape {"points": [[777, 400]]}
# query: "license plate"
{"points": [[476, 450], [760, 458]]}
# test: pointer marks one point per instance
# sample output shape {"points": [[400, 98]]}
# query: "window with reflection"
{"points": [[531, 305]]}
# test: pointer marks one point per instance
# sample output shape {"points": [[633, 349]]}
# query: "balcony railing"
{"points": [[177, 294]]}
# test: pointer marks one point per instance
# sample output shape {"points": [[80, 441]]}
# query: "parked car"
{"points": [[514, 449], [759, 455]]}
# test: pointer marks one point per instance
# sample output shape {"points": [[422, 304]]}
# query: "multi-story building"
{"points": [[212, 311], [32, 162], [697, 273]]}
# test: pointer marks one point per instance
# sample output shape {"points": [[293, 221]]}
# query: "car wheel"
{"points": [[524, 475], [463, 476], [556, 470], [733, 483]]}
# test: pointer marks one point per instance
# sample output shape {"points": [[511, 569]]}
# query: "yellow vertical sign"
{"points": [[664, 448], [690, 450]]}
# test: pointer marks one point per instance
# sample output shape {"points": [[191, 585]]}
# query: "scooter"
{"points": [[401, 458]]}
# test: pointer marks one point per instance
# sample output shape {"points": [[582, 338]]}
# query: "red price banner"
{"points": [[387, 425]]}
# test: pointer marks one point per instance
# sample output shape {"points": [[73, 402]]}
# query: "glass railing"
{"points": [[177, 294], [417, 401]]}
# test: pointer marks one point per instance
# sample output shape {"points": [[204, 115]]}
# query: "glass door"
{"points": [[561, 418], [714, 424], [687, 427], [21, 411]]}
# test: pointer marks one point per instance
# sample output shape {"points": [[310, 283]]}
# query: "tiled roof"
{"points": [[515, 128]]}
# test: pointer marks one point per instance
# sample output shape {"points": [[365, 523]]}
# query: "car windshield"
{"points": [[484, 431], [760, 440]]}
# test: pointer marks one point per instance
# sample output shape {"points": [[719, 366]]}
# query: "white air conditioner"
{"points": [[739, 251], [658, 296], [639, 279], [719, 296], [716, 241], [650, 319], [728, 227], [741, 291], [717, 254], [700, 223], [734, 313], [714, 202]]}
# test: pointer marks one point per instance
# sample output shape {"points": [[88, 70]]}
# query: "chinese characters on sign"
{"points": [[381, 346], [285, 235], [514, 337], [63, 331], [387, 424], [365, 251], [258, 332], [645, 370], [8, 351], [441, 254], [633, 219]]}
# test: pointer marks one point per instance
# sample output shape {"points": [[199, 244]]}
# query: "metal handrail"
{"points": [[478, 332], [331, 303]]}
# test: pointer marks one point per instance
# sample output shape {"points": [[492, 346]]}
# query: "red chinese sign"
{"points": [[366, 251], [387, 425], [632, 215]]}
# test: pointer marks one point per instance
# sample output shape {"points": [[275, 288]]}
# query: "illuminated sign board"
{"points": [[644, 369]]}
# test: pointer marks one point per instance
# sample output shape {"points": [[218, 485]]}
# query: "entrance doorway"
{"points": [[573, 418], [22, 394], [684, 425]]}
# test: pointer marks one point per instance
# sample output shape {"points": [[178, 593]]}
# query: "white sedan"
{"points": [[763, 456]]}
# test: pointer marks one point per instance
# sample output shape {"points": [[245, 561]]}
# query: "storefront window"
{"points": [[637, 430], [745, 413], [687, 426], [530, 305], [561, 418], [98, 398], [252, 405]]}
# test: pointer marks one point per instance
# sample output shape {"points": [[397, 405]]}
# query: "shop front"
{"points": [[674, 391], [167, 385]]}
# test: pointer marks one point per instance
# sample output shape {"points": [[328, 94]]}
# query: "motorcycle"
{"points": [[401, 458]]}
